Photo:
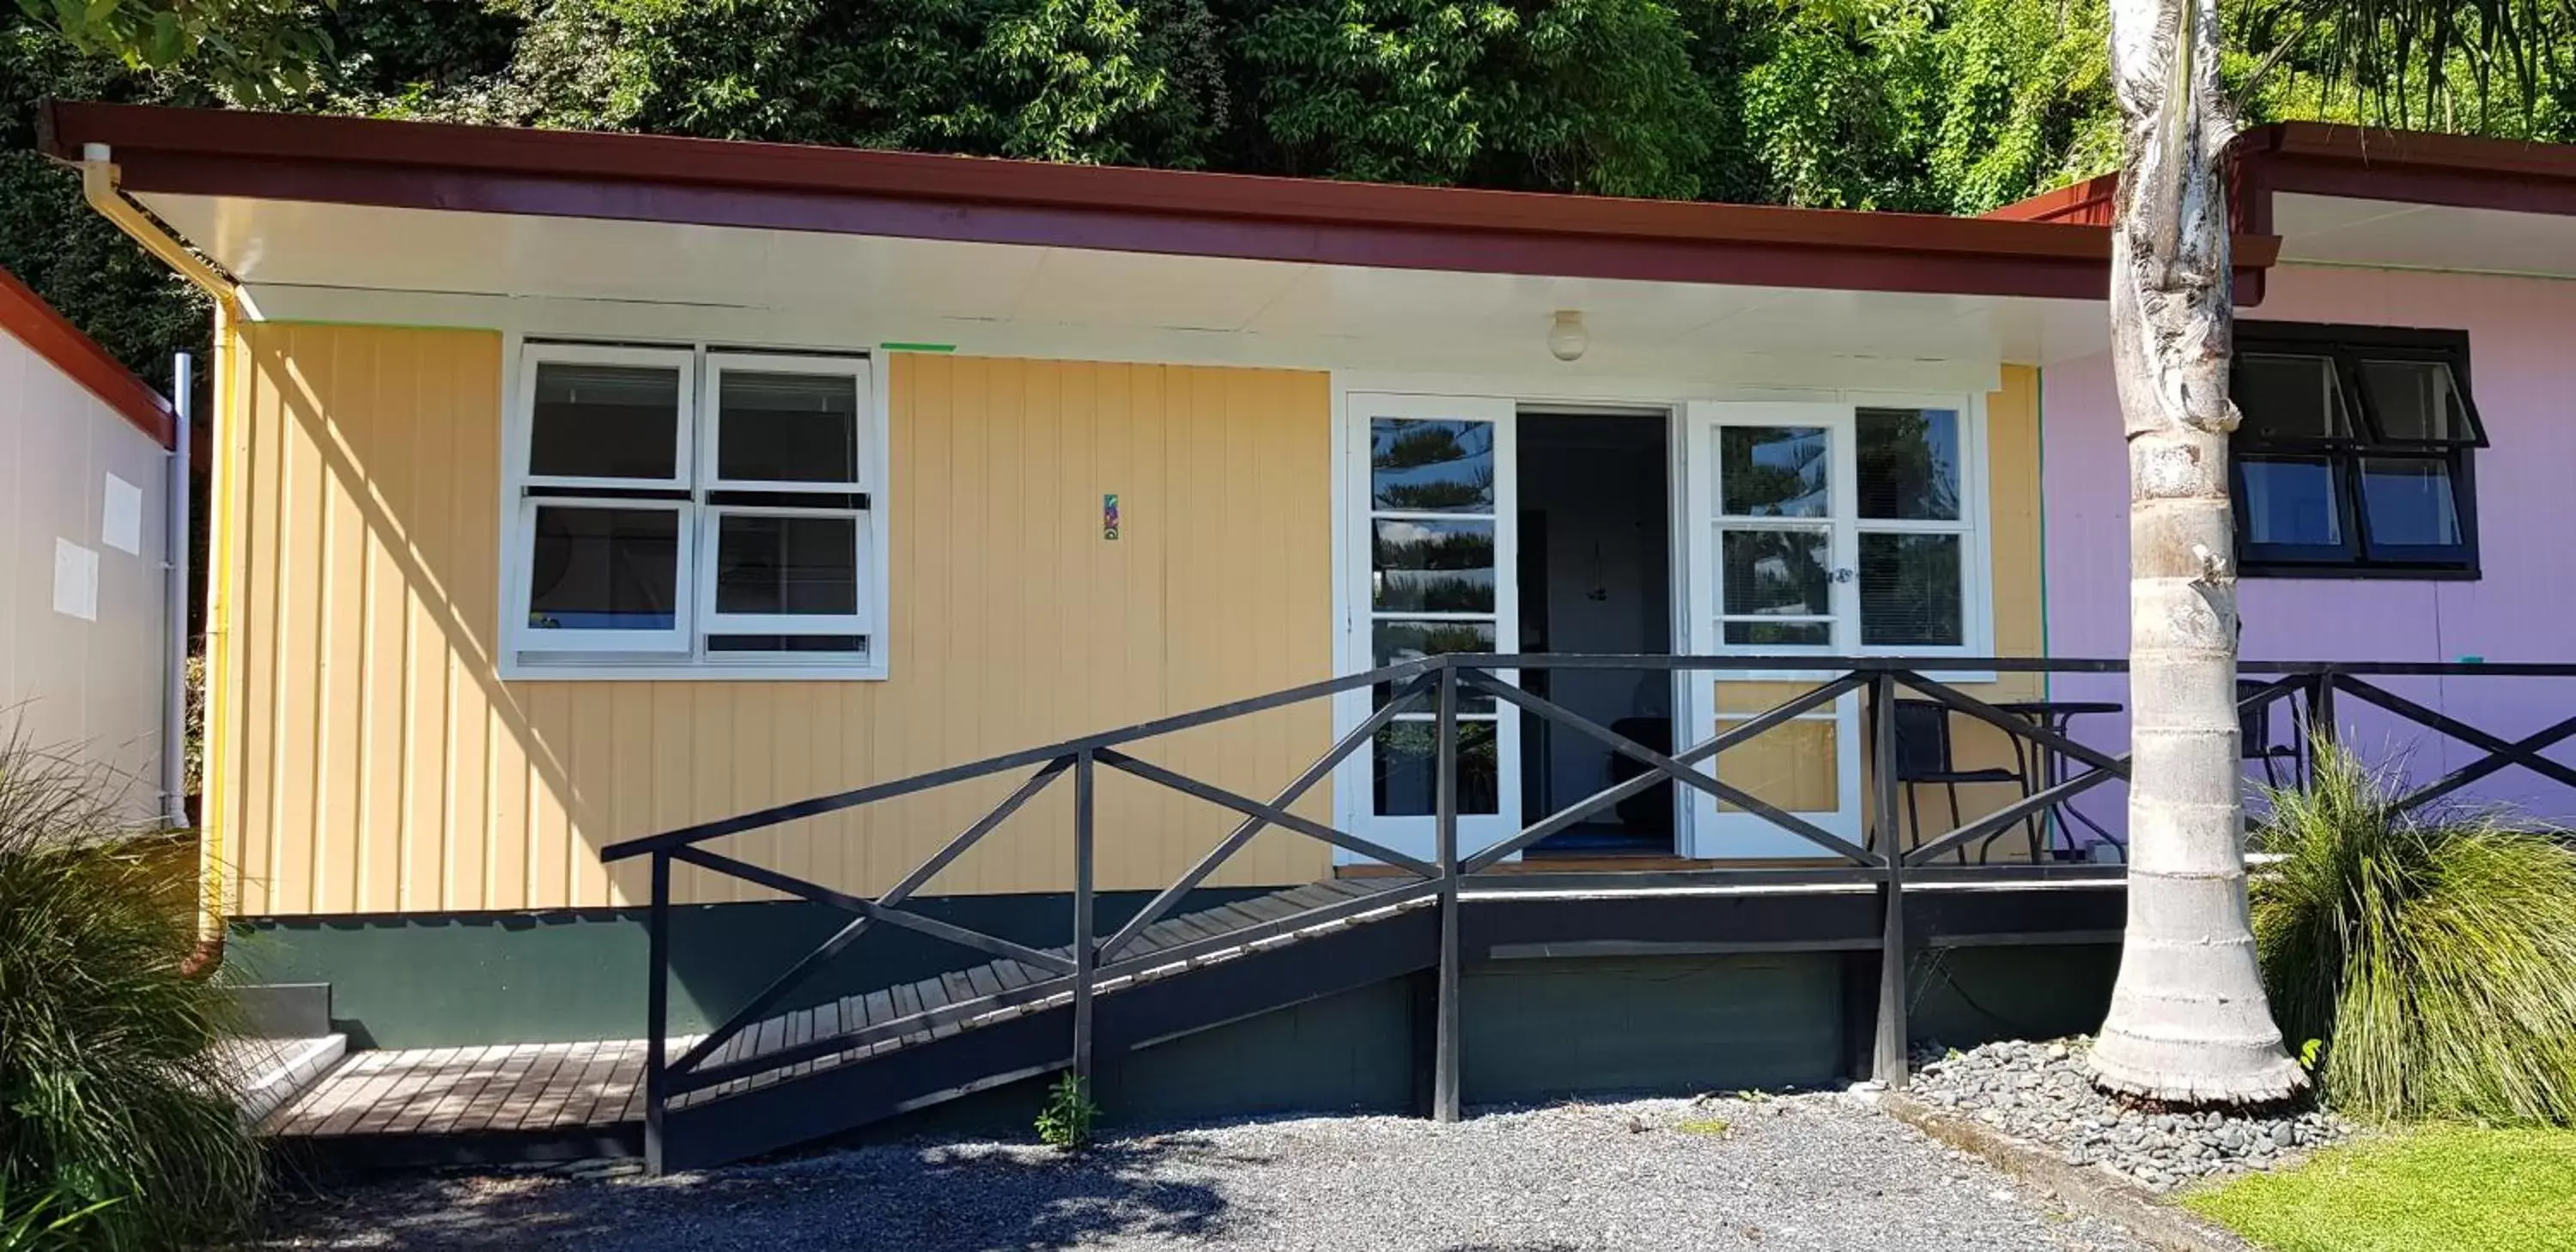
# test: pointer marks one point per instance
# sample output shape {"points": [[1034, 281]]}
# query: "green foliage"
{"points": [[1570, 95], [1950, 106], [2026, 101], [2434, 953], [1064, 1121], [258, 51], [1132, 81], [112, 1089], [109, 287], [42, 1221], [2454, 1188]]}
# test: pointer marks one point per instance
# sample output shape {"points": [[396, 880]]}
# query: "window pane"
{"points": [[1408, 754], [1434, 567], [2291, 397], [1786, 634], [604, 569], [1910, 591], [794, 428], [1909, 464], [1776, 573], [605, 421], [2415, 400], [1398, 642], [787, 643], [770, 564], [1772, 471], [2409, 503], [2292, 502], [1432, 466]]}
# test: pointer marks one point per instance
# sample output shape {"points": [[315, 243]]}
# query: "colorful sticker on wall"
{"points": [[1109, 516]]}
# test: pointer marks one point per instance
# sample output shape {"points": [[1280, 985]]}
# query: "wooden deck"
{"points": [[580, 1091], [530, 1087]]}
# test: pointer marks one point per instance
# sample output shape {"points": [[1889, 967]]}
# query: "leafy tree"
{"points": [[1129, 81], [1565, 95], [255, 50], [2024, 103], [132, 304], [1841, 104]]}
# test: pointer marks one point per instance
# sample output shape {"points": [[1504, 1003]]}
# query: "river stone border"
{"points": [[2086, 1189], [2043, 1094]]}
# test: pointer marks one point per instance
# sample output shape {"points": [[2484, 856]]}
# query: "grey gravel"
{"points": [[2041, 1093], [1823, 1171]]}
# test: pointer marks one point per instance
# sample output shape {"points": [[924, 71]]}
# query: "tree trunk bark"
{"points": [[2188, 1021]]}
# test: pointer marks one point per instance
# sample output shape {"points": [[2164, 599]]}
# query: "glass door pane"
{"points": [[1772, 503], [1429, 567], [1776, 564]]}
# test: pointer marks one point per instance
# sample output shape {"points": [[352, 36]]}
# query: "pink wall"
{"points": [[2522, 352]]}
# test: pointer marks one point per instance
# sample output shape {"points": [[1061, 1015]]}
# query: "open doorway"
{"points": [[1595, 574]]}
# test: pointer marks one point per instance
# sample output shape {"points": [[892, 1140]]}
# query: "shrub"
{"points": [[1064, 1123], [112, 1088], [43, 1222], [2434, 953]]}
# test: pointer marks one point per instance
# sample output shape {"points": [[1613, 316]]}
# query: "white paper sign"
{"points": [[75, 580], [121, 527]]}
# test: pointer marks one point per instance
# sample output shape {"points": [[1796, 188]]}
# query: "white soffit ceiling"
{"points": [[289, 244], [2332, 230]]}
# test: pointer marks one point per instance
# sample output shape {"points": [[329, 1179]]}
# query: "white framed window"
{"points": [[693, 512], [1919, 556]]}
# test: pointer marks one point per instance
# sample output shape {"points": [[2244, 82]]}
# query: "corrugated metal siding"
{"points": [[384, 767], [89, 688]]}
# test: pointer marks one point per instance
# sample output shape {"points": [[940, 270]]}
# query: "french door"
{"points": [[1770, 549], [1432, 545]]}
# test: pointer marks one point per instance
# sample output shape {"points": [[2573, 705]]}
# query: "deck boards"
{"points": [[572, 1087]]}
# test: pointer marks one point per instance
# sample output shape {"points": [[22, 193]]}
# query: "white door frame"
{"points": [[1708, 830]]}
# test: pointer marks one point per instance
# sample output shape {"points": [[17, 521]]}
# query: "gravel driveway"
{"points": [[1805, 1172]]}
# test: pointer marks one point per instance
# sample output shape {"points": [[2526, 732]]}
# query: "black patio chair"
{"points": [[1924, 757]]}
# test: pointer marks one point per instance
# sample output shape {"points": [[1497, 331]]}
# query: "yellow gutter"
{"points": [[99, 187]]}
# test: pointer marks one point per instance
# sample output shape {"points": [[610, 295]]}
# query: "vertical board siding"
{"points": [[2514, 611], [383, 766]]}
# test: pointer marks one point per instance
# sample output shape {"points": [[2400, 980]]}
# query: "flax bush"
{"points": [[2433, 954], [114, 1101]]}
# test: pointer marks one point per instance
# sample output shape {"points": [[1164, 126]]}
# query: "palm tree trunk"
{"points": [[2188, 1020]]}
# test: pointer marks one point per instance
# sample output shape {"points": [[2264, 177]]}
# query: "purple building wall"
{"points": [[2522, 351]]}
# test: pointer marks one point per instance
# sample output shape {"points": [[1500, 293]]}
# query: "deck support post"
{"points": [[1444, 1069], [1888, 1059], [1086, 946], [657, 1010]]}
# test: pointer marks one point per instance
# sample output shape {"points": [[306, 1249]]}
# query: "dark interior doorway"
{"points": [[1596, 576]]}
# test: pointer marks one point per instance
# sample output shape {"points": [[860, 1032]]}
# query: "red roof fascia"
{"points": [[913, 195]]}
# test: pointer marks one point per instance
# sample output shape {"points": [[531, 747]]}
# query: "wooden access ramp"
{"points": [[568, 1100]]}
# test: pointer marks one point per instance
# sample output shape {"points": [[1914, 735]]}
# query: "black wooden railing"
{"points": [[1440, 683]]}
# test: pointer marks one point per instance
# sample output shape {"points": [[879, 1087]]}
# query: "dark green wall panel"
{"points": [[1538, 1030], [1967, 996], [480, 978]]}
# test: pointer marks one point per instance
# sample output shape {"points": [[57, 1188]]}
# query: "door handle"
{"points": [[1845, 575]]}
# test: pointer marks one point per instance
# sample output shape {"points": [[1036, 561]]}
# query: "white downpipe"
{"points": [[174, 709]]}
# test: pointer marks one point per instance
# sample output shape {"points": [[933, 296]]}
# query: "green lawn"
{"points": [[2450, 1188]]}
